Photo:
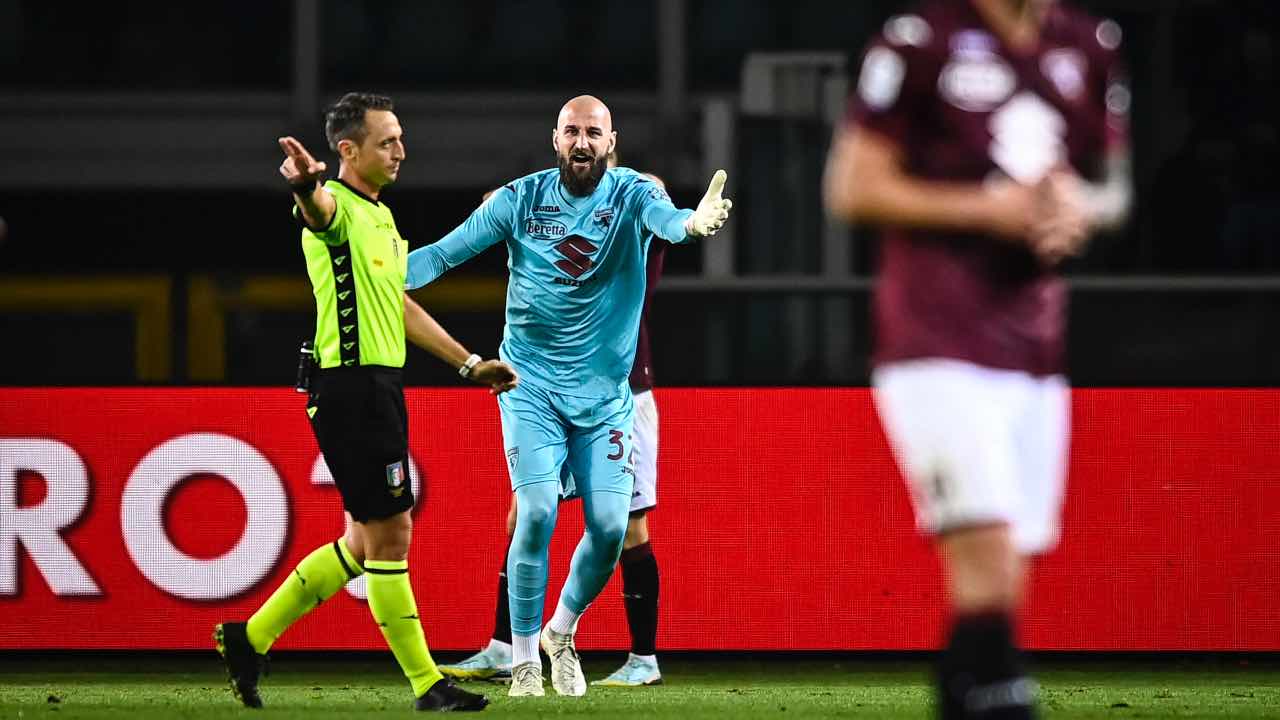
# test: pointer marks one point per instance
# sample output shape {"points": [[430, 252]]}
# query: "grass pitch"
{"points": [[314, 687]]}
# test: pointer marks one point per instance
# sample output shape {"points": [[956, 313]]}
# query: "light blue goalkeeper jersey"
{"points": [[577, 269]]}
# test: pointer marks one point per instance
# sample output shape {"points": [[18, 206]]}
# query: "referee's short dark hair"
{"points": [[344, 120]]}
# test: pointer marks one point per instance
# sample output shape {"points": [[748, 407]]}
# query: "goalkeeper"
{"points": [[577, 236]]}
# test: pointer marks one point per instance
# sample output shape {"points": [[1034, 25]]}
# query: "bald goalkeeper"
{"points": [[577, 236]]}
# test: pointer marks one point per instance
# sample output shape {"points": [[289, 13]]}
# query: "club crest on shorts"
{"points": [[513, 458], [395, 478]]}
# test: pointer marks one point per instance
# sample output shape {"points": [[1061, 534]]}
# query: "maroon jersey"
{"points": [[642, 368], [962, 107]]}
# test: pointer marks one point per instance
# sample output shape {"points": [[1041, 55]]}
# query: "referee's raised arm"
{"points": [[357, 261], [303, 172]]}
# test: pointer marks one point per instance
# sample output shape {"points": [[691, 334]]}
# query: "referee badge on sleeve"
{"points": [[395, 478]]}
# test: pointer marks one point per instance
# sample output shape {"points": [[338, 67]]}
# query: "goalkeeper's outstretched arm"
{"points": [[712, 210], [674, 225]]}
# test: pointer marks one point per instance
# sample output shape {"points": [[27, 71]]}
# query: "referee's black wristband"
{"points": [[303, 189]]}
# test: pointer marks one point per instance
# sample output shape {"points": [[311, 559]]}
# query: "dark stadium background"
{"points": [[138, 146], [149, 268]]}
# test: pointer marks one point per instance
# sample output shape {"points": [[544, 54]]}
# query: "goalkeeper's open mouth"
{"points": [[581, 161]]}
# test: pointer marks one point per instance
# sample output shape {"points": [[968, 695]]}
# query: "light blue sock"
{"points": [[536, 507], [605, 515]]}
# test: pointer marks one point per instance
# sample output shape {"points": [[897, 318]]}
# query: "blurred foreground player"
{"points": [[357, 263], [640, 580], [988, 136]]}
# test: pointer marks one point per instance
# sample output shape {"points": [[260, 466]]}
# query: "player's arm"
{"points": [[1102, 203], [486, 226], [1107, 202], [867, 177], [660, 217], [1083, 207], [1109, 199], [422, 330], [303, 172], [865, 181]]}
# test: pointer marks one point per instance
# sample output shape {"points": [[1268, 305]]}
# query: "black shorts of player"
{"points": [[360, 421]]}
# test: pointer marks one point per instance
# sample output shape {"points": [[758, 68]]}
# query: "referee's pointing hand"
{"points": [[299, 168]]}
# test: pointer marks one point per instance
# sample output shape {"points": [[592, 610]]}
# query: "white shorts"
{"points": [[644, 442], [978, 445], [644, 451]]}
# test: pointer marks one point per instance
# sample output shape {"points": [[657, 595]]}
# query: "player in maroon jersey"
{"points": [[639, 566], [988, 138]]}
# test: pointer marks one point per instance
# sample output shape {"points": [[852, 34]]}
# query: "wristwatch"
{"points": [[465, 370]]}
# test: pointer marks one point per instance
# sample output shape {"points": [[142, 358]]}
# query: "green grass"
{"points": [[144, 686]]}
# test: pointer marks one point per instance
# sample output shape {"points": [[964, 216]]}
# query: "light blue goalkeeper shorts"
{"points": [[583, 444]]}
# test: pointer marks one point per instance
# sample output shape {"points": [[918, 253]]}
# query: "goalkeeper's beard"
{"points": [[585, 184]]}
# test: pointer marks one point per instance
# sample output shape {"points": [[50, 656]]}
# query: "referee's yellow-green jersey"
{"points": [[357, 267]]}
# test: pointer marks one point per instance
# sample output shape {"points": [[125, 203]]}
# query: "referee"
{"points": [[357, 263]]}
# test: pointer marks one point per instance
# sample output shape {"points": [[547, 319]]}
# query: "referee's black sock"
{"points": [[502, 608], [640, 595], [980, 675]]}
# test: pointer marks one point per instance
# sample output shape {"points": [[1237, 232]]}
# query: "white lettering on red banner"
{"points": [[167, 510], [142, 516], [36, 528]]}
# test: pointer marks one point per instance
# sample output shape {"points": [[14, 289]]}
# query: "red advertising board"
{"points": [[137, 518]]}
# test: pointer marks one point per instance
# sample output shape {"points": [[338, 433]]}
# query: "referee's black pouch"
{"points": [[306, 367]]}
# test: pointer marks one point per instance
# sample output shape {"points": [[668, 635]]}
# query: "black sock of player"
{"points": [[640, 594], [981, 674], [502, 608]]}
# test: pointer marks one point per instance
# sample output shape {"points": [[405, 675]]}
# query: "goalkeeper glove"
{"points": [[712, 210]]}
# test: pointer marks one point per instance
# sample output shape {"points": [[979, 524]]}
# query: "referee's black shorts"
{"points": [[360, 421]]}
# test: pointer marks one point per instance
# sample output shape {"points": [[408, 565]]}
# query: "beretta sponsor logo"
{"points": [[544, 229]]}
